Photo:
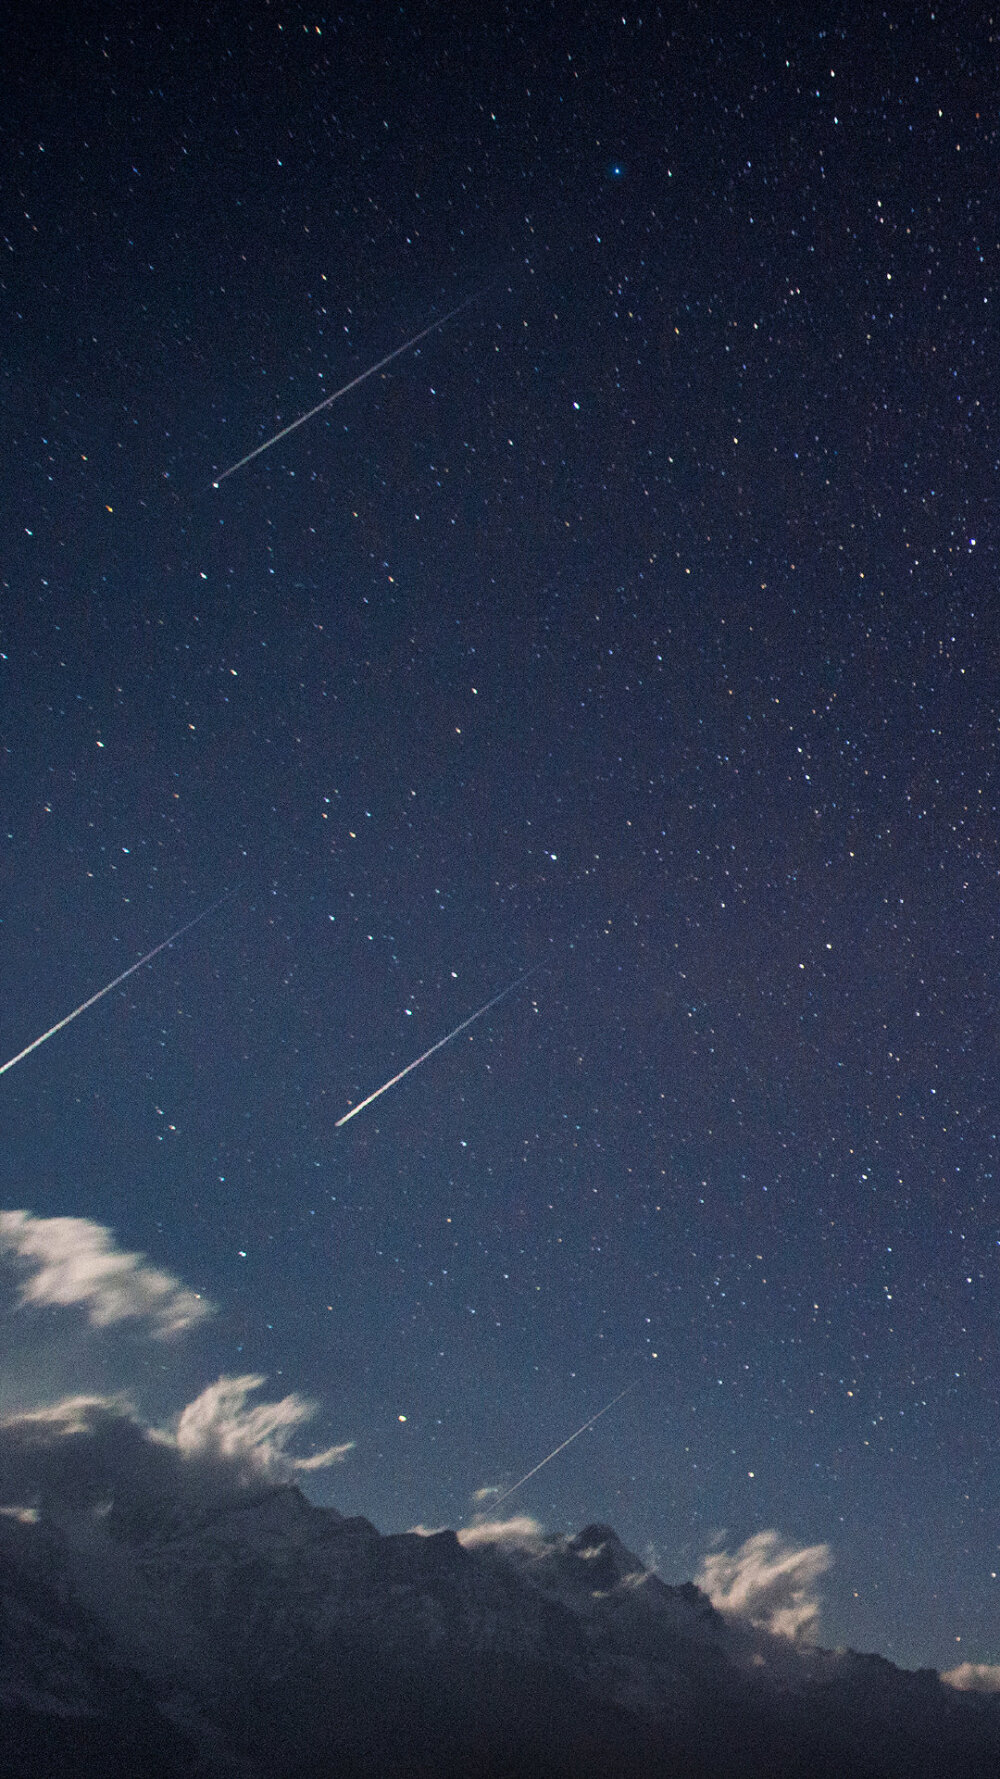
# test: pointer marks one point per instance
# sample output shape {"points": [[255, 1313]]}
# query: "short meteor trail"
{"points": [[329, 400], [438, 1046], [106, 991], [562, 1448]]}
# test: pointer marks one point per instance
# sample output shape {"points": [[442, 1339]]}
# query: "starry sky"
{"points": [[639, 628]]}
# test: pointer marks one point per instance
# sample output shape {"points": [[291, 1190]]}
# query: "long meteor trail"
{"points": [[438, 1046], [329, 400], [562, 1448], [106, 991]]}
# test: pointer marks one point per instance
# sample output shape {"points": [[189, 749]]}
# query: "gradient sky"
{"points": [[640, 628]]}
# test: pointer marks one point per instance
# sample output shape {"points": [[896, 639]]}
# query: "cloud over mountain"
{"points": [[218, 1427], [521, 1532], [88, 1450], [768, 1581], [974, 1677]]}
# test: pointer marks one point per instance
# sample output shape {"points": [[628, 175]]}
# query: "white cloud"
{"points": [[521, 1532], [88, 1450], [217, 1425], [974, 1677], [769, 1582], [79, 1451], [71, 1262]]}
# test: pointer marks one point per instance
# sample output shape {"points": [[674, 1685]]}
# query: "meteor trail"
{"points": [[353, 384], [562, 1448], [438, 1046], [106, 991]]}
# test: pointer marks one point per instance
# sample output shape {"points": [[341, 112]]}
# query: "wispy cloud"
{"points": [[769, 1582], [974, 1677], [90, 1450], [521, 1531], [70, 1262], [218, 1425]]}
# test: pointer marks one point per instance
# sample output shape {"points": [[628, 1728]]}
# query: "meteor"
{"points": [[106, 991], [329, 400], [562, 1448], [438, 1046]]}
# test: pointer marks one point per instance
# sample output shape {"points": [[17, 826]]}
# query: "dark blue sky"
{"points": [[641, 624]]}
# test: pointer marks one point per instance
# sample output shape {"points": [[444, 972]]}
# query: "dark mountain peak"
{"points": [[604, 1560], [357, 1525], [417, 1557], [279, 1508], [695, 1601], [595, 1534], [260, 1622]]}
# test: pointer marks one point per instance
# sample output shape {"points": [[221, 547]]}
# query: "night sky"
{"points": [[639, 628]]}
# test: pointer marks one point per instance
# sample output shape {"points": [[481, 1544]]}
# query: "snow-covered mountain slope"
{"points": [[258, 1635]]}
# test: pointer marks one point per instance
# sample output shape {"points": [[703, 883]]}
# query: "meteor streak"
{"points": [[438, 1046], [353, 384], [106, 991], [562, 1448]]}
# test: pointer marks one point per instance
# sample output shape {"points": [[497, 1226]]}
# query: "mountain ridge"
{"points": [[258, 1634]]}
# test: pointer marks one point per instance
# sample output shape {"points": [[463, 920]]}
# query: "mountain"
{"points": [[260, 1637]]}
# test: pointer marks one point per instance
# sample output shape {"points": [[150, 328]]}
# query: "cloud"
{"points": [[87, 1451], [218, 1426], [82, 1451], [520, 1532], [768, 1581], [974, 1677], [71, 1262]]}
